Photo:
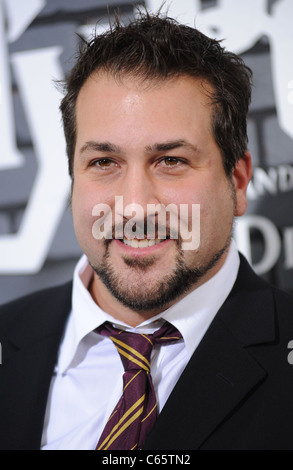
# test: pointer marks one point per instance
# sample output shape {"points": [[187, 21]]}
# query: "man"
{"points": [[154, 115]]}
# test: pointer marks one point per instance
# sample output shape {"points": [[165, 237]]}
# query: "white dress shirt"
{"points": [[87, 382]]}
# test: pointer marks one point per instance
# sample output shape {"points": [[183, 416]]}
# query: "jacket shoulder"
{"points": [[51, 299]]}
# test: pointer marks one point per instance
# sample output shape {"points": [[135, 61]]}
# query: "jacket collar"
{"points": [[249, 312]]}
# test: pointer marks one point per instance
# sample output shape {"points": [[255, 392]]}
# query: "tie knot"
{"points": [[135, 349]]}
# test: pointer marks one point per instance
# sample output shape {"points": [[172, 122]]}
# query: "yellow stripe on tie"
{"points": [[132, 350], [128, 383], [149, 413], [148, 339], [131, 358], [139, 402], [171, 337], [125, 426]]}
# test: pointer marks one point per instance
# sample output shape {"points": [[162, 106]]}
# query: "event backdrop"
{"points": [[37, 46]]}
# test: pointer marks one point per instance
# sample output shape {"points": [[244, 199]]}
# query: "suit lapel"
{"points": [[222, 372], [29, 357]]}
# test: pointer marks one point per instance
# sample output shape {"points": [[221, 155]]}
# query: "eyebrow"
{"points": [[104, 147], [107, 147], [171, 145]]}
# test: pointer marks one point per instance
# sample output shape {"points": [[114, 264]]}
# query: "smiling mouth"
{"points": [[135, 243]]}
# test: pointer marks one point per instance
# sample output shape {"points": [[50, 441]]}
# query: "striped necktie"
{"points": [[136, 412]]}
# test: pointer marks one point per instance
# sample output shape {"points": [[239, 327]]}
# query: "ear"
{"points": [[241, 176]]}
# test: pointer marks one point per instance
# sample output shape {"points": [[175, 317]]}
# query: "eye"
{"points": [[171, 162], [103, 163]]}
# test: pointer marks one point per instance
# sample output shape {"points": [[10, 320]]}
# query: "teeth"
{"points": [[141, 243]]}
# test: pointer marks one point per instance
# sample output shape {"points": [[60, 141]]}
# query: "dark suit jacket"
{"points": [[236, 392]]}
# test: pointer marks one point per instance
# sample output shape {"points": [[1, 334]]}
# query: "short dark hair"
{"points": [[155, 47]]}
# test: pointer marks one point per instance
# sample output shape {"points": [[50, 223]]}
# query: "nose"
{"points": [[138, 189]]}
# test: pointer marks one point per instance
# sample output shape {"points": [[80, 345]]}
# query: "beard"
{"points": [[159, 295]]}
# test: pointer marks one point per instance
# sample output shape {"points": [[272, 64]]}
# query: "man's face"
{"points": [[151, 144]]}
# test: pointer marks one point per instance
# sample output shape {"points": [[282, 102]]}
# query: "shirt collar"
{"points": [[191, 316]]}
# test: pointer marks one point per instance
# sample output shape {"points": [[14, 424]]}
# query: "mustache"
{"points": [[142, 229]]}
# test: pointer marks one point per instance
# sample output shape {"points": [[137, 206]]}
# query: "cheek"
{"points": [[216, 203], [88, 199], [86, 195], [83, 202], [217, 213], [183, 193]]}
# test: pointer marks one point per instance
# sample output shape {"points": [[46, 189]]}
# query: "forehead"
{"points": [[105, 87], [135, 83], [135, 108]]}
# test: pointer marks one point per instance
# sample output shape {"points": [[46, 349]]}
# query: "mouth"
{"points": [[146, 243], [137, 247]]}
